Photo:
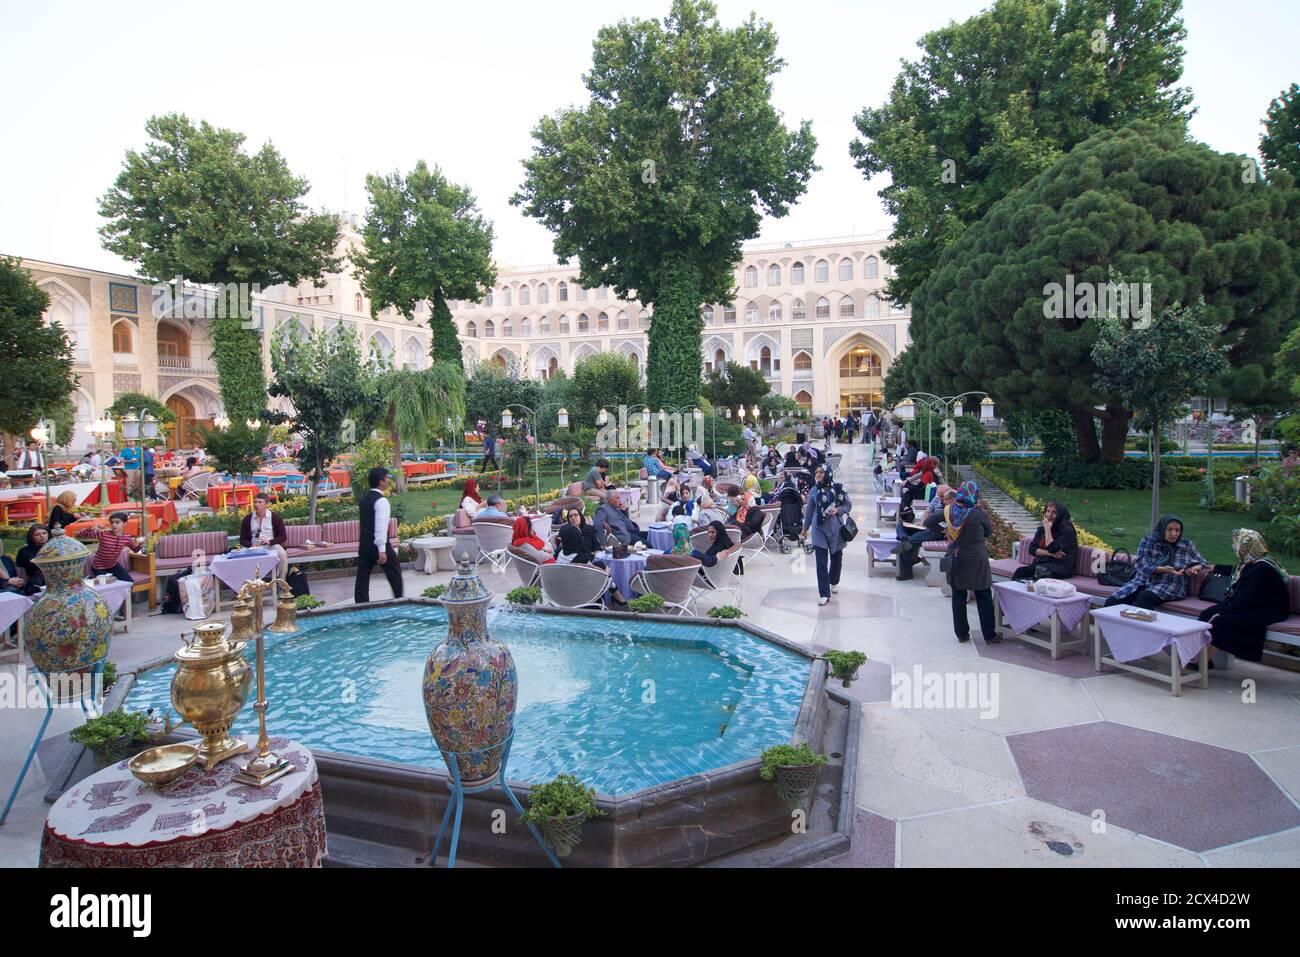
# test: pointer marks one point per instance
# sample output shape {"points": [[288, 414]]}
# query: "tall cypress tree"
{"points": [[659, 179]]}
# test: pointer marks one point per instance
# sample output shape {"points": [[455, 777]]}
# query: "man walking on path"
{"points": [[374, 548]]}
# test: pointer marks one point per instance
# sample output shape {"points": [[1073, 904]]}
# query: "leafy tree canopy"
{"points": [[605, 380], [36, 386], [995, 100], [490, 389], [736, 386], [1280, 143]]}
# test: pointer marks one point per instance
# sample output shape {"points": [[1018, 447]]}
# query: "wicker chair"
{"points": [[574, 585], [721, 578], [194, 486], [493, 541], [756, 545], [672, 578], [525, 565]]}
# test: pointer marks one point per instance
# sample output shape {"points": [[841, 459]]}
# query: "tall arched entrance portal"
{"points": [[861, 379]]}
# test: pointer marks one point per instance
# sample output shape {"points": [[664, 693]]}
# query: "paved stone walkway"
{"points": [[1001, 503]]}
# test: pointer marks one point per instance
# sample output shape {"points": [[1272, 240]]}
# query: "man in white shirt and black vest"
{"points": [[374, 548]]}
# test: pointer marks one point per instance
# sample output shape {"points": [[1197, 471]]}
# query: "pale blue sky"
{"points": [[343, 89]]}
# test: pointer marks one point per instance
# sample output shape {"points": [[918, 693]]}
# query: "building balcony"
{"points": [[188, 364]]}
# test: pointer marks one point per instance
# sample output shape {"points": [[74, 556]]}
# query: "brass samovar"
{"points": [[210, 687]]}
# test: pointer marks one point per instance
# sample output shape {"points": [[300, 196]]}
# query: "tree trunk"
{"points": [[399, 476], [1085, 434], [1155, 473], [1114, 433], [311, 492]]}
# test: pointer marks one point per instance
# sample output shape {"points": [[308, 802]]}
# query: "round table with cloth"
{"points": [[204, 819], [660, 535], [623, 570], [236, 568]]}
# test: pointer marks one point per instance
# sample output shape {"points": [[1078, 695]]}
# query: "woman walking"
{"points": [[969, 528], [828, 505]]}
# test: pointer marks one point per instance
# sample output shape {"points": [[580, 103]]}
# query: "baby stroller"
{"points": [[789, 523]]}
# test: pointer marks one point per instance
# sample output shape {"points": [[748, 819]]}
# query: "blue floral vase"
{"points": [[470, 686], [70, 627]]}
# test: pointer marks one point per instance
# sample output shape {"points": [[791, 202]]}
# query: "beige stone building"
{"points": [[810, 315]]}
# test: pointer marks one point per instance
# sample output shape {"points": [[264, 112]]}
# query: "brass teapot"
{"points": [[211, 684]]}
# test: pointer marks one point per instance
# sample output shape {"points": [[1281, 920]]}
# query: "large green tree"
{"points": [[491, 388], [42, 379], [605, 380], [995, 100], [415, 406], [659, 179], [424, 240], [1280, 143], [194, 204], [332, 387], [1009, 308], [736, 387]]}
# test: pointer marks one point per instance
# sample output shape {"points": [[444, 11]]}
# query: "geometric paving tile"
{"points": [[1071, 664], [873, 683], [1189, 794], [848, 603], [873, 843]]}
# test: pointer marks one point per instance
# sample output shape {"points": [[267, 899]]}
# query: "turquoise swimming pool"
{"points": [[623, 704]]}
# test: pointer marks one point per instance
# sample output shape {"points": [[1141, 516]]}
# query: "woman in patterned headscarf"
{"points": [[969, 528], [1259, 596]]}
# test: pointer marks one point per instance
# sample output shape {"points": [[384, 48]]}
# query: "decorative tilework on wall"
{"points": [[125, 382], [801, 338], [122, 298]]}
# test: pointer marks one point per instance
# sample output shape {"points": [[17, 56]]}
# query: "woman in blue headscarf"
{"points": [[827, 507], [969, 528]]}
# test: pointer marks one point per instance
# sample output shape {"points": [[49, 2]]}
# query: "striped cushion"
{"points": [[338, 532], [183, 546], [1023, 554], [296, 535]]}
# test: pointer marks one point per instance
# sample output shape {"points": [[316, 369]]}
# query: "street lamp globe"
{"points": [[905, 410], [986, 409], [40, 434], [507, 420], [602, 418], [562, 418]]}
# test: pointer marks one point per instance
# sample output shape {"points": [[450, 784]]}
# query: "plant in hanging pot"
{"points": [[845, 665], [524, 595], [794, 768], [115, 736], [560, 808]]}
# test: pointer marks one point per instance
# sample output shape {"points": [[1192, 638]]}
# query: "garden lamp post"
{"points": [[102, 428], [41, 435], [946, 406], [562, 420], [1207, 496], [140, 425]]}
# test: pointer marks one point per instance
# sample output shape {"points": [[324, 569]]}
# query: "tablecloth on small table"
{"points": [[236, 568], [1130, 639], [1023, 609], [660, 535]]}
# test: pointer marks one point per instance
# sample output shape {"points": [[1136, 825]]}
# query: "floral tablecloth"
{"points": [[205, 819], [1023, 609]]}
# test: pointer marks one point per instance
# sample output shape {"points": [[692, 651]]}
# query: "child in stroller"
{"points": [[789, 524]]}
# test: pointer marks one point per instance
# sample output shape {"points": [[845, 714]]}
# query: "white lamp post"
{"points": [[40, 434], [102, 428]]}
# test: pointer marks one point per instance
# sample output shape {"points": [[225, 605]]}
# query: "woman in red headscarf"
{"points": [[523, 536], [471, 502]]}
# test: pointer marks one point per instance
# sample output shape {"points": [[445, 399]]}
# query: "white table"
{"points": [[1016, 610], [235, 569], [887, 507], [1131, 640], [879, 549], [631, 497], [13, 608], [623, 570], [82, 490], [433, 553]]}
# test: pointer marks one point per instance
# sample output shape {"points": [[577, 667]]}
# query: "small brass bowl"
{"points": [[163, 764]]}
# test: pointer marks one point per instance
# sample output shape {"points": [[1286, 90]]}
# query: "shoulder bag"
{"points": [[1117, 572]]}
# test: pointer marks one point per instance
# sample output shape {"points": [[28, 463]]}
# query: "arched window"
{"points": [[564, 325], [729, 314], [379, 342], [471, 330], [602, 322], [508, 328], [751, 312], [803, 398], [584, 324], [525, 296], [802, 362], [774, 312], [823, 273], [797, 311], [873, 307], [489, 329], [544, 325], [582, 294], [846, 268], [707, 315], [872, 267], [563, 292], [764, 362], [774, 275], [623, 320], [356, 303], [719, 359], [527, 328], [846, 307], [488, 301], [413, 354], [823, 308], [796, 273], [123, 343], [751, 277], [552, 366], [505, 296], [543, 294]]}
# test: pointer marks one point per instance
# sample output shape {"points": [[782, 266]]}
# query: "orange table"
{"points": [[341, 477], [419, 468], [238, 495]]}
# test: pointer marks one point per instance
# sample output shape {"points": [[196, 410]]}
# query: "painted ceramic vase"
{"points": [[470, 685], [70, 627]]}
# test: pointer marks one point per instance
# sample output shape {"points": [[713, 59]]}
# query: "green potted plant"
{"points": [[845, 665], [307, 602], [726, 611], [560, 807], [434, 591], [647, 604], [794, 768], [524, 595], [115, 736]]}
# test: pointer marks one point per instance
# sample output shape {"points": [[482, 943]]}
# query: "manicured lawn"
{"points": [[1103, 511]]}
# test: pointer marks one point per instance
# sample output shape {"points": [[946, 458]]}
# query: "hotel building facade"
{"points": [[811, 316]]}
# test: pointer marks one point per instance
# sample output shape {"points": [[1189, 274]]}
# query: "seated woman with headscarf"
{"points": [[744, 513], [62, 514], [522, 536], [1054, 549], [685, 504], [771, 462], [1259, 595], [719, 541], [471, 502], [577, 544], [708, 510], [37, 536], [1165, 563]]}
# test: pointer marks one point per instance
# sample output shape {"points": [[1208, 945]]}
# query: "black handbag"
{"points": [[1214, 587], [945, 563], [849, 530], [1117, 572], [297, 580]]}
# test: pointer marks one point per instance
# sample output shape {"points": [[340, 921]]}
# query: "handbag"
{"points": [[1117, 572], [945, 563], [1214, 586], [849, 530]]}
